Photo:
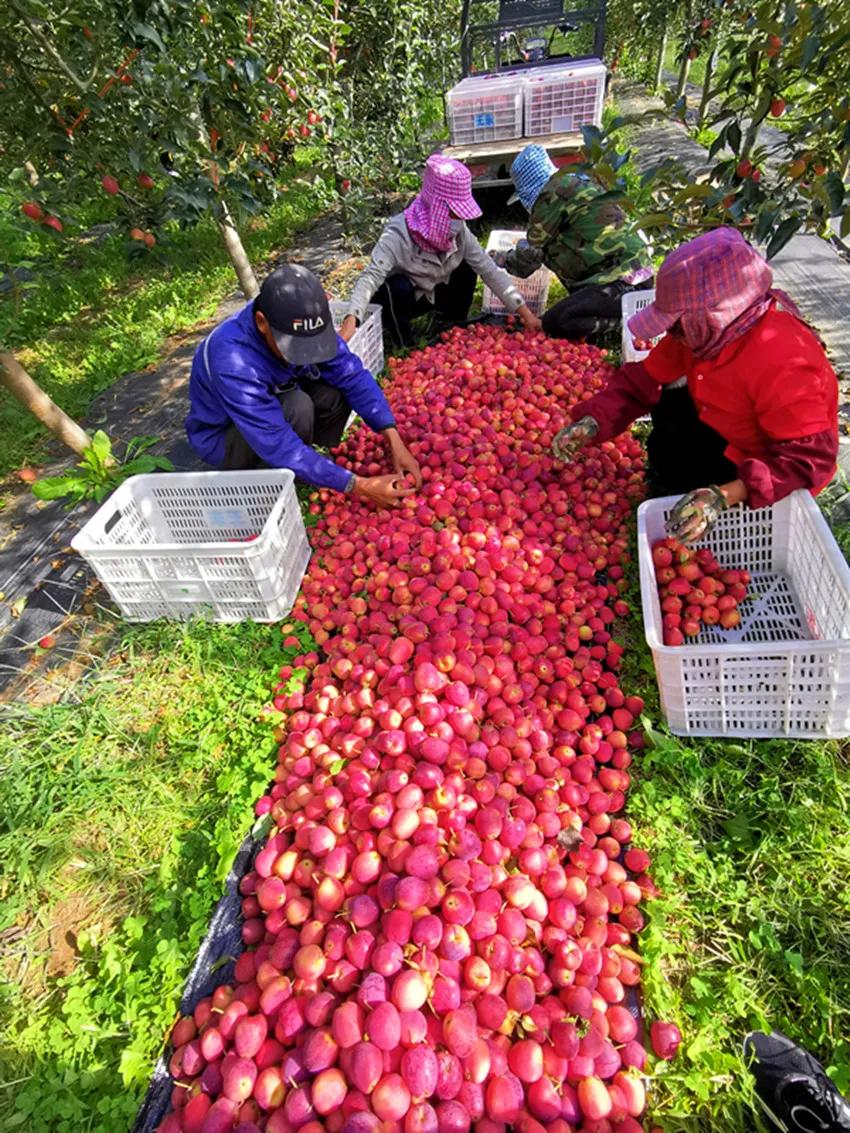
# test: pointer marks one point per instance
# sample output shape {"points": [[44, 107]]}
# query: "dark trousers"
{"points": [[399, 305], [590, 311], [318, 413], [683, 452]]}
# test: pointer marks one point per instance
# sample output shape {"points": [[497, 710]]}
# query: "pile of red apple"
{"points": [[695, 590], [440, 930]]}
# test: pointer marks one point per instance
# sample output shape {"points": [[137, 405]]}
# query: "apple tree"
{"points": [[164, 111]]}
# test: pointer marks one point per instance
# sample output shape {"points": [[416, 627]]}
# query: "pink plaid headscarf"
{"points": [[716, 287], [446, 184]]}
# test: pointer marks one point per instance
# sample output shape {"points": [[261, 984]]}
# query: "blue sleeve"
{"points": [[362, 392], [257, 414]]}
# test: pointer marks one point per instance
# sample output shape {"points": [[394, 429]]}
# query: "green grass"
{"points": [[121, 808], [751, 852], [705, 136], [94, 312]]}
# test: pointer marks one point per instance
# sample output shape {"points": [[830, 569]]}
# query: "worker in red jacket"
{"points": [[744, 402]]}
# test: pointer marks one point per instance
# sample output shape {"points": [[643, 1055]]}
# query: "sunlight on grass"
{"points": [[122, 808]]}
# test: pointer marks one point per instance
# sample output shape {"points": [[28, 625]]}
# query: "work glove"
{"points": [[574, 437], [696, 513], [498, 258]]}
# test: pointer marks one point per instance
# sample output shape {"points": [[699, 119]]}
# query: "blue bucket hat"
{"points": [[530, 171]]}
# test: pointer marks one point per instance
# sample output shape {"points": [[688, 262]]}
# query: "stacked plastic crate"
{"points": [[485, 108], [560, 100]]}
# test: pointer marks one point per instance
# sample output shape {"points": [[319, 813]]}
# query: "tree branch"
{"points": [[82, 85], [25, 76]]}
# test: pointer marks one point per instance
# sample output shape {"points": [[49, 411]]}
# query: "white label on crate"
{"points": [[562, 123], [485, 119], [227, 517]]}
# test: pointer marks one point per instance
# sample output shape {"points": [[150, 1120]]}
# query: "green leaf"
{"points": [[733, 137], [655, 220], [764, 224], [101, 446], [262, 827], [782, 235], [56, 487], [134, 1067], [252, 69], [145, 31], [834, 184], [144, 464], [738, 829], [692, 192], [811, 46], [717, 144]]}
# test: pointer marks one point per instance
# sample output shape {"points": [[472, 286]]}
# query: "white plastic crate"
{"points": [[485, 108], [632, 302], [534, 290], [172, 545], [560, 100], [785, 670], [367, 342]]}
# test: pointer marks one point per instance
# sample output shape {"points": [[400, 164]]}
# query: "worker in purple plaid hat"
{"points": [[427, 259], [744, 402]]}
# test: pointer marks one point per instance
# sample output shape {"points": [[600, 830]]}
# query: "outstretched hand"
{"points": [[404, 462], [573, 438], [696, 513], [384, 491]]}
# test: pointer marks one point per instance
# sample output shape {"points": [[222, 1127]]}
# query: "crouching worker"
{"points": [[426, 257], [581, 232], [744, 402], [275, 379]]}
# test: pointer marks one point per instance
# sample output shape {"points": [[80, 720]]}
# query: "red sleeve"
{"points": [[668, 361], [630, 393], [804, 462]]}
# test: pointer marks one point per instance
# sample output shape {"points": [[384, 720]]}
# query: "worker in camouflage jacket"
{"points": [[579, 231]]}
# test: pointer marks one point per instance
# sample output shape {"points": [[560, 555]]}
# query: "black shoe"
{"points": [[792, 1087]]}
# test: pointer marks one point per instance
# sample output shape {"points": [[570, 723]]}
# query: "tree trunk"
{"points": [[20, 385], [237, 253], [231, 237], [710, 64], [685, 68], [659, 63], [682, 83], [32, 173]]}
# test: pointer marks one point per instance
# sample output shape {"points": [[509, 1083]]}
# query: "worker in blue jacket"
{"points": [[275, 379]]}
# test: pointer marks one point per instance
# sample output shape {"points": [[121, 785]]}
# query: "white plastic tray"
{"points": [[175, 545], [785, 670]]}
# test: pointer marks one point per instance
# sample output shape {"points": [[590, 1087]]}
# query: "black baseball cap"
{"points": [[294, 302]]}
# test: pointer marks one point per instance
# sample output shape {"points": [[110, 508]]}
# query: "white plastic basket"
{"points": [[785, 670], [485, 108], [560, 100], [367, 342], [172, 545], [632, 302], [534, 290]]}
